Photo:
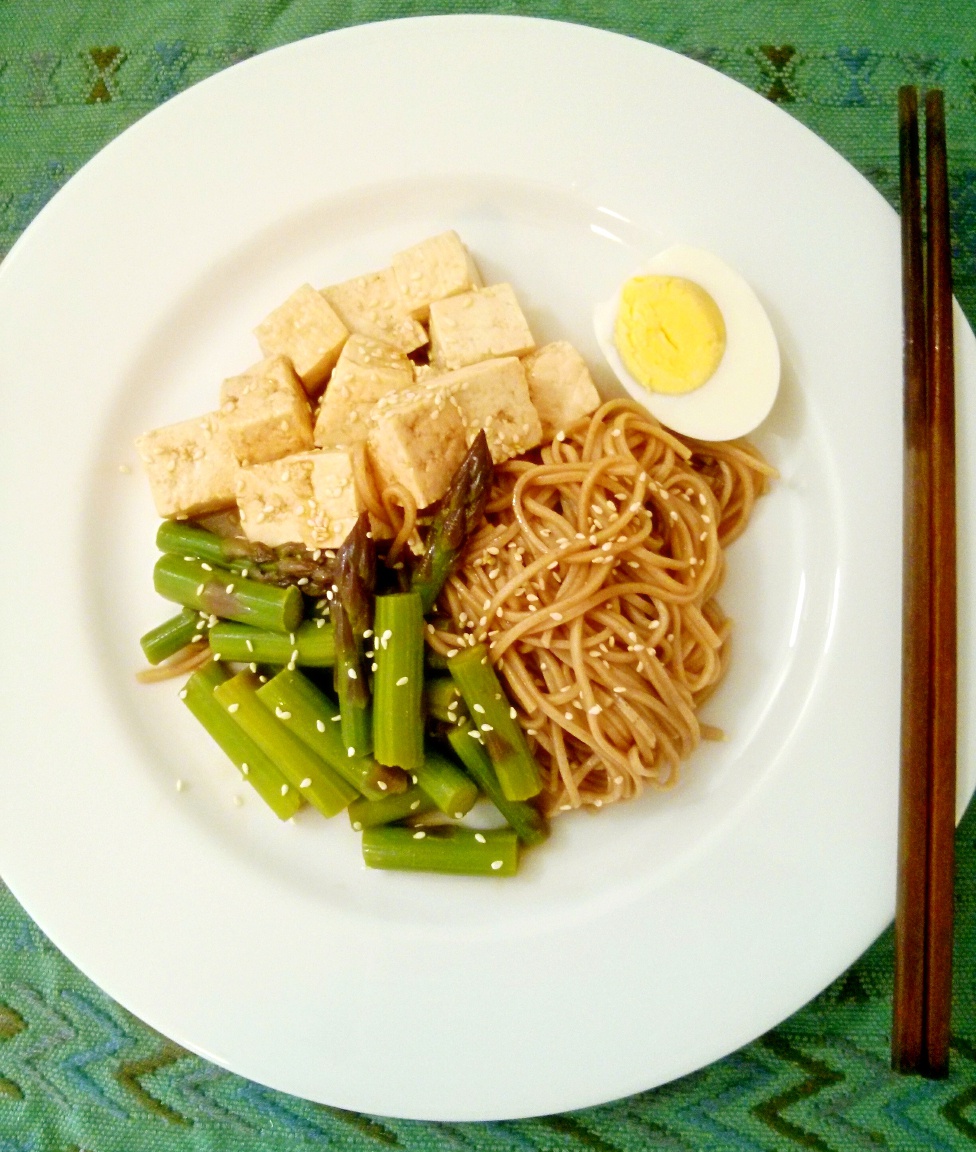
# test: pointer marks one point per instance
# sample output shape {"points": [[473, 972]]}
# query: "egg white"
{"points": [[738, 396]]}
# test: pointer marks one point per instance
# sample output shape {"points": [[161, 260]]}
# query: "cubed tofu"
{"points": [[265, 412], [191, 467], [306, 330], [366, 371], [417, 442], [432, 270], [560, 386], [371, 305], [476, 326], [493, 395], [309, 498]]}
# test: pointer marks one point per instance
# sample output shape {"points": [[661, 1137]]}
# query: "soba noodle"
{"points": [[593, 581]]}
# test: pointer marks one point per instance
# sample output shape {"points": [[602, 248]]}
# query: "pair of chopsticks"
{"points": [[924, 915]]}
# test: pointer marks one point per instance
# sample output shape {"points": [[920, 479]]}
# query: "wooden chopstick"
{"points": [[923, 920], [942, 786], [907, 1034]]}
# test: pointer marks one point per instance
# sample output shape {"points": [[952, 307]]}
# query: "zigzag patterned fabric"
{"points": [[77, 1072]]}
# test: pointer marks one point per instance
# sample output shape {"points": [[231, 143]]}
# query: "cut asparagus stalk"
{"points": [[352, 618], [314, 719], [529, 824], [197, 584], [460, 511], [442, 700], [494, 717], [258, 769], [372, 813], [311, 644], [165, 639], [446, 785], [447, 848], [305, 771], [398, 724]]}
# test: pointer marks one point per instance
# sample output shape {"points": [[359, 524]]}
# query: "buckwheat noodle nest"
{"points": [[593, 581]]}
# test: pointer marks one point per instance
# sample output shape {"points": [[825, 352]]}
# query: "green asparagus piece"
{"points": [[372, 813], [446, 785], [398, 686], [305, 771], [315, 720], [494, 716], [311, 644], [257, 769], [460, 512], [285, 565], [197, 584], [447, 848], [352, 618], [442, 700], [163, 641], [529, 824]]}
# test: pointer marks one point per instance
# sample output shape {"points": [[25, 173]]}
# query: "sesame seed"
{"points": [[419, 835], [357, 826], [206, 567], [336, 718], [619, 689], [495, 865], [556, 615], [350, 752], [306, 783], [512, 713], [479, 708], [200, 588], [245, 768], [352, 674], [180, 785], [487, 728], [595, 710], [284, 789], [182, 693], [403, 680], [233, 707], [381, 784]]}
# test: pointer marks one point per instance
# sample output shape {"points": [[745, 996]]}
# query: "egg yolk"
{"points": [[669, 332]]}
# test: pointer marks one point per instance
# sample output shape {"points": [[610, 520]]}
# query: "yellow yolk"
{"points": [[669, 332]]}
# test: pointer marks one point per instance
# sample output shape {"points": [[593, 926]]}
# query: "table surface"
{"points": [[77, 1072]]}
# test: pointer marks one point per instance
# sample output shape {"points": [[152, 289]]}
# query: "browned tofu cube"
{"points": [[560, 386], [308, 332], [371, 305], [433, 269], [493, 395], [417, 442], [477, 326], [366, 371], [191, 467], [265, 412]]}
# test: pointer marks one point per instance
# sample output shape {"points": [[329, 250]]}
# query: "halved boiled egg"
{"points": [[689, 340]]}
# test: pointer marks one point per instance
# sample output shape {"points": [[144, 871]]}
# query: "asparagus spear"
{"points": [[372, 813], [311, 644], [398, 723], [442, 700], [256, 767], [352, 618], [286, 565], [442, 849], [494, 717], [459, 513], [446, 785], [305, 771], [197, 584], [528, 822], [161, 642], [313, 717]]}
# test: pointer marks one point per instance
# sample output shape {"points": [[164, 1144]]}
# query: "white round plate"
{"points": [[641, 943]]}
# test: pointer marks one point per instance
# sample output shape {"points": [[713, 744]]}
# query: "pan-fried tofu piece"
{"points": [[417, 441], [476, 326], [265, 412], [493, 395], [366, 371], [309, 498], [560, 386], [306, 330], [433, 269], [371, 305], [191, 467]]}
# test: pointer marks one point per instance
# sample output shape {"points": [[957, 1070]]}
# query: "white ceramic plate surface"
{"points": [[639, 944]]}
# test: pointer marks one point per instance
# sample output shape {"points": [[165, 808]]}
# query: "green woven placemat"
{"points": [[79, 1072]]}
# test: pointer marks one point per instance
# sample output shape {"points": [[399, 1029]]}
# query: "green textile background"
{"points": [[77, 1072]]}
